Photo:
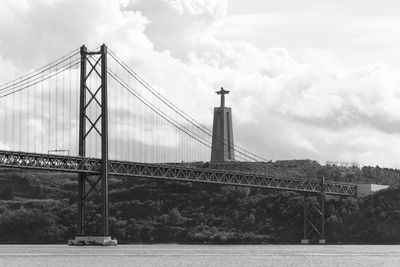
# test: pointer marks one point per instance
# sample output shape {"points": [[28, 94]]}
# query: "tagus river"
{"points": [[200, 255]]}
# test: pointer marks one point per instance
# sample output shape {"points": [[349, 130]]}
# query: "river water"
{"points": [[200, 255]]}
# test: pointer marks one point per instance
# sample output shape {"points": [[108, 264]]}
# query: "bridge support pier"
{"points": [[314, 217], [92, 241]]}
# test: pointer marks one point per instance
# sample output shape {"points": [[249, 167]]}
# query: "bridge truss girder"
{"points": [[10, 159]]}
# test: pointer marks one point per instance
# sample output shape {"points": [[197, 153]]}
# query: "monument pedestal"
{"points": [[92, 241], [222, 148]]}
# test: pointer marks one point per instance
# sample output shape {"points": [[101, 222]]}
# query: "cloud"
{"points": [[34, 32], [287, 103], [180, 26]]}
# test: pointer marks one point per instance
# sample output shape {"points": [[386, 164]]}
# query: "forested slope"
{"points": [[41, 207]]}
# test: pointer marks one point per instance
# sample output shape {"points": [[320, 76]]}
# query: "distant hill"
{"points": [[40, 207]]}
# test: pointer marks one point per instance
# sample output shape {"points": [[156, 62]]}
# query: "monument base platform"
{"points": [[92, 241]]}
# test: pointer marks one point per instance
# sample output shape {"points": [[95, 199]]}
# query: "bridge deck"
{"points": [[171, 172]]}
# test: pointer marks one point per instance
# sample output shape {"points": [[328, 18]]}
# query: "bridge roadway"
{"points": [[25, 160]]}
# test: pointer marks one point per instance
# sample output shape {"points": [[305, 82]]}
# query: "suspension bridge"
{"points": [[90, 113]]}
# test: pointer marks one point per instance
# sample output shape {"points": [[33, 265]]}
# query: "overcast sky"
{"points": [[314, 79]]}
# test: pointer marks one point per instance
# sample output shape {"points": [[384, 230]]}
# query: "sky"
{"points": [[316, 79]]}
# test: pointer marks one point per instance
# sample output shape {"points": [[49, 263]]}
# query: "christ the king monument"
{"points": [[222, 137]]}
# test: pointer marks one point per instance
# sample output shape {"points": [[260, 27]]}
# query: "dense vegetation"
{"points": [[41, 207]]}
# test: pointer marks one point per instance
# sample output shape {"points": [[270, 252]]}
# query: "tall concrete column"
{"points": [[222, 138]]}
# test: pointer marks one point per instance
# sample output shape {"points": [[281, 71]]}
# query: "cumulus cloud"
{"points": [[180, 26], [305, 106]]}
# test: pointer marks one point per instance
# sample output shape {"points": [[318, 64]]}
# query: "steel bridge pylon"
{"points": [[93, 189]]}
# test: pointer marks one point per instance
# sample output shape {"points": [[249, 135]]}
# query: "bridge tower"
{"points": [[93, 189], [222, 137]]}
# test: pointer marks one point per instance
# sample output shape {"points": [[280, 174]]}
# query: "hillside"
{"points": [[41, 207]]}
